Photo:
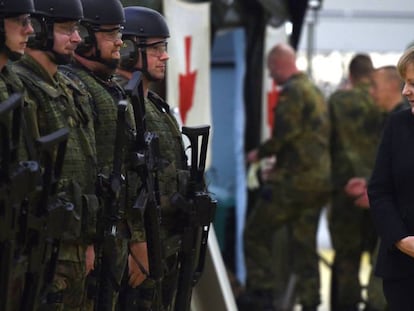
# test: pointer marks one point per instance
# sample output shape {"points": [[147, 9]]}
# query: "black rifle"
{"points": [[18, 179], [146, 161], [102, 282], [46, 219], [198, 208]]}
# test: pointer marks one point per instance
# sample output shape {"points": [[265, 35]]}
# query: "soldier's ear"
{"points": [[39, 38], [129, 53]]}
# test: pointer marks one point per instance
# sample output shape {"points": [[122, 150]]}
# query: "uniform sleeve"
{"points": [[288, 116]]}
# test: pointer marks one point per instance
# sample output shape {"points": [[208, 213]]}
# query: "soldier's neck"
{"points": [[44, 60], [128, 75], [3, 60]]}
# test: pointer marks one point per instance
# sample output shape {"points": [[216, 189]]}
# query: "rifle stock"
{"points": [[102, 281], [199, 209]]}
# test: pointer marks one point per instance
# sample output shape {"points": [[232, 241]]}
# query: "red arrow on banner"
{"points": [[272, 98], [187, 83]]}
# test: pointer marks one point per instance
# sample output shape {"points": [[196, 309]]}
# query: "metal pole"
{"points": [[314, 6]]}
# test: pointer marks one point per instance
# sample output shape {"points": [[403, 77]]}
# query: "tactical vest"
{"points": [[160, 121], [9, 83], [105, 96], [52, 106], [104, 103]]}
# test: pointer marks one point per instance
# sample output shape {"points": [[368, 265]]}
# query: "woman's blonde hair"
{"points": [[405, 60]]}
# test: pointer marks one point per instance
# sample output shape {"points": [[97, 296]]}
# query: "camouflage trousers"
{"points": [[280, 241], [352, 233], [15, 291], [67, 291]]}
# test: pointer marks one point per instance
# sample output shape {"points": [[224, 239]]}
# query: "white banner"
{"points": [[188, 74]]}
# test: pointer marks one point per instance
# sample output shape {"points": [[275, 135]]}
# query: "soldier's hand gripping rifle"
{"points": [[146, 161], [198, 208], [102, 280], [18, 179]]}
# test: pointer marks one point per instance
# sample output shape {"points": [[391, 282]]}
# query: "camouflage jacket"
{"points": [[9, 83], [51, 104], [173, 170], [356, 129], [162, 122], [300, 137], [105, 96]]}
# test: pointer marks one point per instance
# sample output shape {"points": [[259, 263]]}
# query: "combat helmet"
{"points": [[103, 12], [47, 12], [13, 7], [96, 14], [9, 8], [142, 23]]}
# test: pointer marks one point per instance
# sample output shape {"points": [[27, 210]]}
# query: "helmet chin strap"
{"points": [[59, 59], [12, 55], [111, 64]]}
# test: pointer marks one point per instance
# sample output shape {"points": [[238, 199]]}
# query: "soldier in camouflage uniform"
{"points": [[55, 102], [297, 187], [146, 32], [356, 125], [15, 31], [96, 60]]}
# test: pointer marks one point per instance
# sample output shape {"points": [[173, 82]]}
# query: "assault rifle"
{"points": [[146, 161], [102, 281], [17, 181], [45, 220], [198, 208]]}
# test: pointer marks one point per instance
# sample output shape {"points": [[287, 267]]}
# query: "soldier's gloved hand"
{"points": [[89, 258], [355, 187], [137, 263]]}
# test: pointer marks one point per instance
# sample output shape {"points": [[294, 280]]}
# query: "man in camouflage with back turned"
{"points": [[356, 128], [297, 186]]}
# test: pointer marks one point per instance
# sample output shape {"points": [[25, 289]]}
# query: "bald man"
{"points": [[294, 193], [386, 89]]}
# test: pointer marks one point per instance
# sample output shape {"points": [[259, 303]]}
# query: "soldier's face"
{"points": [[408, 90], [277, 69], [17, 31], [380, 88], [109, 42], [157, 57], [66, 37]]}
